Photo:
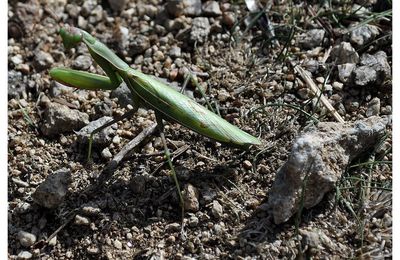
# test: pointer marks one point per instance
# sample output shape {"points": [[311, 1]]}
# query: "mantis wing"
{"points": [[178, 107]]}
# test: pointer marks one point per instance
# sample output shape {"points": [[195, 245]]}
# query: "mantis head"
{"points": [[71, 36]]}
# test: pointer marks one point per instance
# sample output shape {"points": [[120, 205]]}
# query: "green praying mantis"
{"points": [[148, 92]]}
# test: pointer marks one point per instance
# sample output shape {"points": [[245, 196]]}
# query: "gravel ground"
{"points": [[55, 208]]}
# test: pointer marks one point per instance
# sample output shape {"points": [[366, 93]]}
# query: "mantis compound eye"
{"points": [[71, 36]]}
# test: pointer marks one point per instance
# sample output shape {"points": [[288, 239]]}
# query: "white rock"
{"points": [[26, 239], [81, 221], [117, 244], [24, 255], [216, 209], [191, 198]]}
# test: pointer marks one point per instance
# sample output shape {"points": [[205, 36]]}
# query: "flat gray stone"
{"points": [[211, 8], [102, 138], [51, 193], [345, 72], [374, 70], [139, 44], [363, 34], [192, 7], [82, 62], [344, 53], [312, 38], [26, 239], [43, 60], [61, 119], [123, 94]]}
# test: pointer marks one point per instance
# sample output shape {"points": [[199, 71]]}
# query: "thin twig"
{"points": [[203, 156], [127, 149], [317, 92], [107, 172], [326, 55]]}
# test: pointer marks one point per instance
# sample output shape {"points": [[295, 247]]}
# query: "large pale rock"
{"points": [[319, 157], [374, 70]]}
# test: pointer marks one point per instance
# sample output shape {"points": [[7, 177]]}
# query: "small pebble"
{"points": [[229, 19], [81, 221], [191, 198], [63, 140], [24, 255], [43, 60], [82, 62], [53, 241], [304, 93], [138, 184], [26, 239], [374, 107], [106, 154], [216, 209], [337, 85], [116, 140], [117, 244], [158, 56], [247, 165], [290, 77], [320, 80], [52, 192], [117, 5], [17, 59], [217, 229], [91, 211], [193, 221], [223, 95], [171, 239], [93, 250], [211, 8], [175, 52], [173, 227]]}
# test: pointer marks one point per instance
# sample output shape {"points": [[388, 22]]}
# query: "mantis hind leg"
{"points": [[160, 126]]}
